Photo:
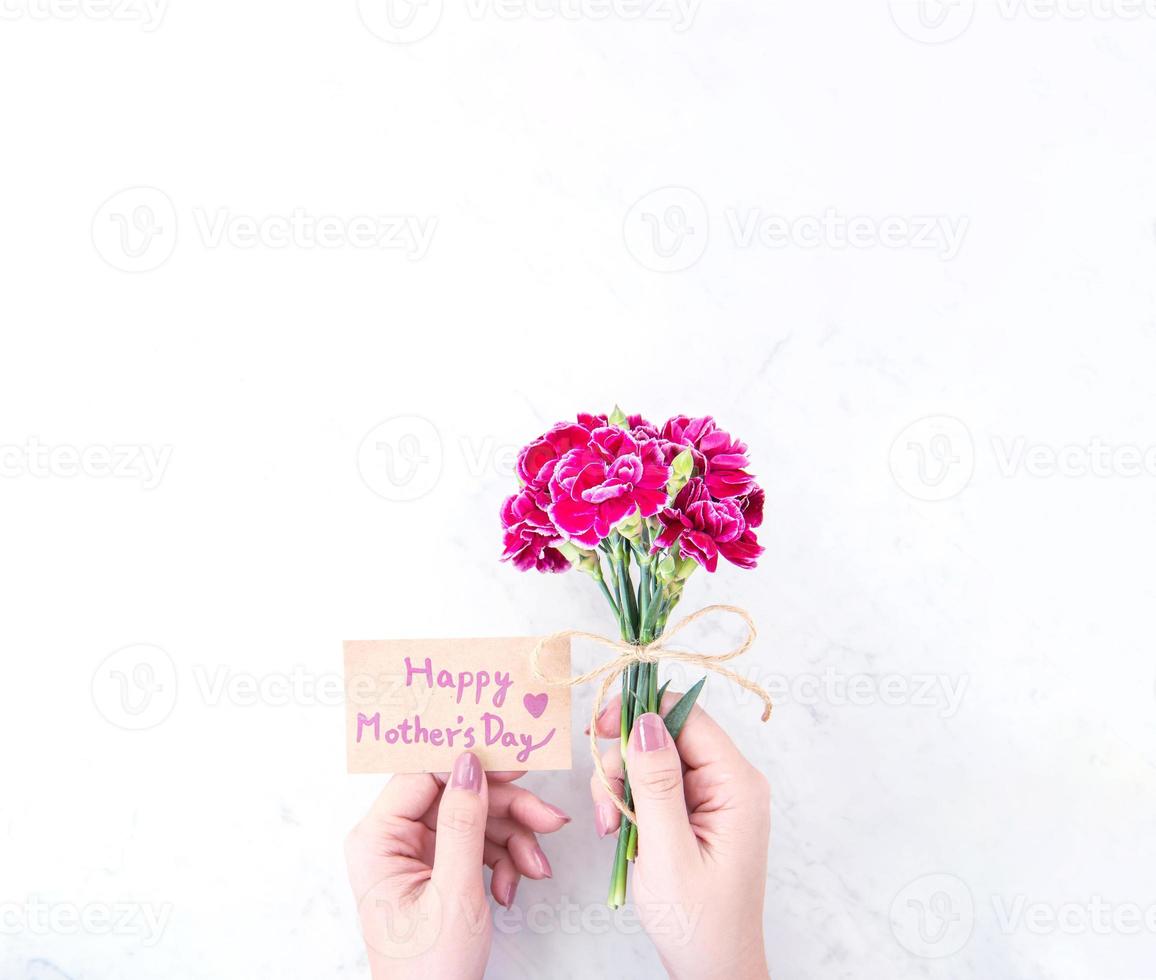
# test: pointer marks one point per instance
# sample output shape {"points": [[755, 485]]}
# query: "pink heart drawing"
{"points": [[536, 703]]}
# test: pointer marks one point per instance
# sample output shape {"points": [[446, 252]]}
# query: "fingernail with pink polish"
{"points": [[511, 890], [603, 819], [560, 814], [542, 863], [467, 773], [652, 733]]}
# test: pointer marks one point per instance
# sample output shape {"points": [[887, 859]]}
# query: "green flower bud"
{"points": [[630, 526], [617, 417], [665, 569], [580, 558], [681, 470]]}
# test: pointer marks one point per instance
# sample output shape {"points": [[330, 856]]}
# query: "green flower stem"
{"points": [[617, 896], [609, 598]]}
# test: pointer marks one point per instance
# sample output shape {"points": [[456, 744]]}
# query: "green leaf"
{"points": [[676, 716], [661, 692], [617, 417]]}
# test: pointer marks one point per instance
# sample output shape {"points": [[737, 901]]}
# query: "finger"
{"points": [[524, 807], [527, 853], [517, 804], [491, 777], [606, 814], [701, 742], [407, 796], [461, 828], [656, 785], [609, 719], [504, 777], [505, 877]]}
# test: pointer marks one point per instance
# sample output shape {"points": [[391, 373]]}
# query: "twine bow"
{"points": [[650, 653]]}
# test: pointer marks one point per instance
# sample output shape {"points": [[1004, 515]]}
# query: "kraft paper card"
{"points": [[415, 705]]}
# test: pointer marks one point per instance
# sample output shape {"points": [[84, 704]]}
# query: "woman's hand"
{"points": [[703, 831], [415, 864]]}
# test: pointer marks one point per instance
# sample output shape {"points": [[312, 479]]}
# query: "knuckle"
{"points": [[662, 784], [459, 820]]}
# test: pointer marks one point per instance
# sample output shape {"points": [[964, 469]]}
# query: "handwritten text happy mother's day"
{"points": [[454, 698]]}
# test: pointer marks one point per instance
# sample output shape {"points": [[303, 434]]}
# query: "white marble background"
{"points": [[957, 612]]}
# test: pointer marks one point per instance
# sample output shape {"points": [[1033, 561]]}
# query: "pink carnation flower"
{"points": [[536, 461], [530, 536], [705, 528], [594, 487], [719, 457]]}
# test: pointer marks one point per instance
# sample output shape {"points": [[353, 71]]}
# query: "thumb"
{"points": [[461, 828], [655, 772]]}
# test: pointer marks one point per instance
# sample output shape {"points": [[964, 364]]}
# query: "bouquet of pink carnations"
{"points": [[639, 508]]}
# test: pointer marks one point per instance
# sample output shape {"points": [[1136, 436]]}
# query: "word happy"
{"points": [[461, 682]]}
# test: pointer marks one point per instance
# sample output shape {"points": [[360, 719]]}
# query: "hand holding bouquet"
{"points": [[638, 508]]}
